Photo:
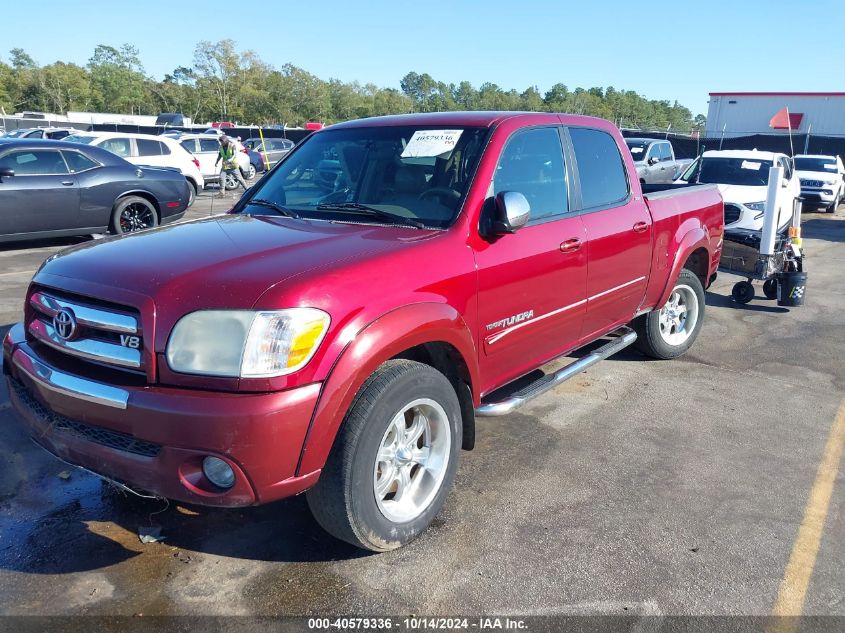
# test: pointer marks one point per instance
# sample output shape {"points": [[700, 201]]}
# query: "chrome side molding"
{"points": [[625, 337], [68, 384]]}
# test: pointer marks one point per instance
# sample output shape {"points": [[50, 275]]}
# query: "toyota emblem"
{"points": [[65, 324]]}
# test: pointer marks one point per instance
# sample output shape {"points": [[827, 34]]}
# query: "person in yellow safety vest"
{"points": [[228, 153]]}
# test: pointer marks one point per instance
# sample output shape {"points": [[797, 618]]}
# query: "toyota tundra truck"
{"points": [[341, 329]]}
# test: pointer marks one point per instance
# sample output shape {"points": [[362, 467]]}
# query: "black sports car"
{"points": [[56, 188]]}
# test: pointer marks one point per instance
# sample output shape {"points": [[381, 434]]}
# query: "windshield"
{"points": [[815, 164], [637, 148], [16, 133], [418, 173], [79, 138], [729, 171]]}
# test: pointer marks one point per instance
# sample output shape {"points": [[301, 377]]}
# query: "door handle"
{"points": [[67, 183], [640, 227], [570, 245]]}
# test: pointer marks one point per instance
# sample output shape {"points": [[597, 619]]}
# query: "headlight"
{"points": [[246, 343], [830, 182], [756, 206]]}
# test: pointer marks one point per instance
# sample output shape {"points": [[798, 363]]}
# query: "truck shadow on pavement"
{"points": [[98, 527], [825, 229]]}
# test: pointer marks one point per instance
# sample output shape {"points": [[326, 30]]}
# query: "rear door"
{"points": [[618, 230], [207, 155], [41, 196], [532, 282], [152, 152]]}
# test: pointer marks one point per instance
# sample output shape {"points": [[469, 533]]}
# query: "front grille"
{"points": [[97, 434], [812, 183], [732, 213], [109, 336]]}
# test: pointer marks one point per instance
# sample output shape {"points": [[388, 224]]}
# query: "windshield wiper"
{"points": [[276, 207], [363, 209]]}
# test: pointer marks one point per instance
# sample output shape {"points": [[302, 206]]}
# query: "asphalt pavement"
{"points": [[639, 487]]}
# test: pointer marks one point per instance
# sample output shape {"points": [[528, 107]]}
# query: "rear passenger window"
{"points": [[209, 145], [147, 147], [600, 168], [77, 162], [532, 164]]}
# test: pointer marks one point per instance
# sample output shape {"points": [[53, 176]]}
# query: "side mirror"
{"points": [[653, 160], [6, 172], [512, 212]]}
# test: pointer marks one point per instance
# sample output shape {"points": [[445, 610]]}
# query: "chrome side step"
{"points": [[625, 337]]}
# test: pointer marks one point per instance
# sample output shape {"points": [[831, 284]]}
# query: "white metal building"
{"points": [[746, 113]]}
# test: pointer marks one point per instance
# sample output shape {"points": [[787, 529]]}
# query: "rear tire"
{"points": [[192, 193], [670, 331], [250, 172], [394, 458], [132, 214]]}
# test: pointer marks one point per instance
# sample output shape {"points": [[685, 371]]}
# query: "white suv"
{"points": [[205, 148], [149, 150], [743, 180], [822, 180]]}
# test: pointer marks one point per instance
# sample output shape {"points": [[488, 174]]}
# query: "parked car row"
{"points": [[145, 149], [655, 160]]}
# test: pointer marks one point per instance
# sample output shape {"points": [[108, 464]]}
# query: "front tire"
{"points": [[670, 331], [250, 172], [132, 214], [394, 459]]}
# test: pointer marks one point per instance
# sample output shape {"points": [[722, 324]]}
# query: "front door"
{"points": [[619, 232], [41, 196], [531, 294]]}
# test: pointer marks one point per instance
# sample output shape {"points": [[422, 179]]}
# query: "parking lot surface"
{"points": [[638, 487]]}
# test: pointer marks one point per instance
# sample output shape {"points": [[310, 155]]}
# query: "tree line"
{"points": [[226, 84]]}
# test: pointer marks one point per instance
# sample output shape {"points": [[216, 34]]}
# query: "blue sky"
{"points": [[664, 50]]}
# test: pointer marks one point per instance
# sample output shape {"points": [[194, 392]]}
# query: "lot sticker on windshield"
{"points": [[636, 150], [431, 143], [747, 164]]}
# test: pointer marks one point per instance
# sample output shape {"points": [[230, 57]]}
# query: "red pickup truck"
{"points": [[339, 330]]}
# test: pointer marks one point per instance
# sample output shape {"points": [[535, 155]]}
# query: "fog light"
{"points": [[218, 472]]}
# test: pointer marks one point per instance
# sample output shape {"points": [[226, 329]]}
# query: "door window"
{"points": [[119, 146], [600, 168], [532, 164], [665, 151], [39, 162], [77, 162], [146, 147], [209, 145]]}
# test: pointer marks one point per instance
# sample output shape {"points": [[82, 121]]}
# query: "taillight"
{"points": [[196, 162]]}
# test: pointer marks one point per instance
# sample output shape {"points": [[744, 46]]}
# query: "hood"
{"points": [[224, 261], [825, 176], [742, 193]]}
